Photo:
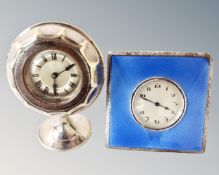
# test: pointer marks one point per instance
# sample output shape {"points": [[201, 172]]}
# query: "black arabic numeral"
{"points": [[142, 95], [156, 121], [173, 95], [176, 104], [167, 120], [147, 119], [157, 86], [148, 89], [141, 112]]}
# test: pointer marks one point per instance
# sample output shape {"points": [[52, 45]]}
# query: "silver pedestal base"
{"points": [[64, 132]]}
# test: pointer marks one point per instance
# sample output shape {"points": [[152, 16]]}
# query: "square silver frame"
{"points": [[159, 53]]}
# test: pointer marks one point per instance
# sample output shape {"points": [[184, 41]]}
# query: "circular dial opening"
{"points": [[158, 104], [55, 75]]}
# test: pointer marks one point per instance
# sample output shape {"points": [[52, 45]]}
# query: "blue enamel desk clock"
{"points": [[158, 101]]}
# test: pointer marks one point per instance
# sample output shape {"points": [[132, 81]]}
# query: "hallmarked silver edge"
{"points": [[159, 53]]}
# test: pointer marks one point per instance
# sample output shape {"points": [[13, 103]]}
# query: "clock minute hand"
{"points": [[149, 100], [67, 68], [157, 104]]}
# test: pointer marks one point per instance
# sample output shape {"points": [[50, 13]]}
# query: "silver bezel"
{"points": [[159, 53], [153, 79]]}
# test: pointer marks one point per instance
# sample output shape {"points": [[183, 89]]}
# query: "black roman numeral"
{"points": [[38, 84], [35, 75], [71, 84], [74, 75], [44, 58], [46, 91], [54, 57], [66, 91], [63, 58], [37, 65]]}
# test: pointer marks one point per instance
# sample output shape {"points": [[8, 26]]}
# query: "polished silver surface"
{"points": [[64, 132]]}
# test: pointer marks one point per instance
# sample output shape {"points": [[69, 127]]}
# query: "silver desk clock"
{"points": [[56, 69]]}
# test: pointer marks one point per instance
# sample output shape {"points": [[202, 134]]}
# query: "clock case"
{"points": [[118, 141], [63, 37]]}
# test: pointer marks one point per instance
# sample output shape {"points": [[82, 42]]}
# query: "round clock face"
{"points": [[55, 74], [158, 104]]}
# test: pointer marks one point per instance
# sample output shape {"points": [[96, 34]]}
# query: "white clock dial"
{"points": [[158, 104], [55, 74]]}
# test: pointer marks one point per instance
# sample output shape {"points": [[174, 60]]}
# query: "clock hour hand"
{"points": [[55, 88], [157, 104], [165, 107]]}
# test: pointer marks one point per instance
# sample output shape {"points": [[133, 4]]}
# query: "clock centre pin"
{"points": [[56, 69]]}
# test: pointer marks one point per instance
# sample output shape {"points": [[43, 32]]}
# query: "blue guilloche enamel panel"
{"points": [[127, 72]]}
